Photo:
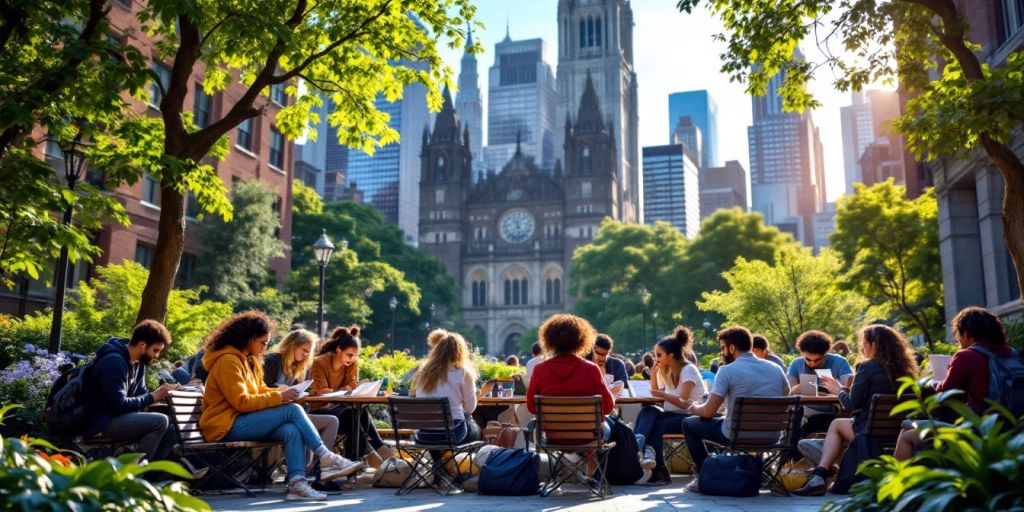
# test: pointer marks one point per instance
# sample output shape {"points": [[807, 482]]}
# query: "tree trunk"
{"points": [[1013, 197], [169, 244]]}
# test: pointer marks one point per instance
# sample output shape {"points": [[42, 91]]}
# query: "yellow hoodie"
{"points": [[232, 388]]}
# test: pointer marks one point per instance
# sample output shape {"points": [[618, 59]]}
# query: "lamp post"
{"points": [[74, 164], [393, 304], [322, 251], [431, 317], [645, 298], [707, 331], [654, 325]]}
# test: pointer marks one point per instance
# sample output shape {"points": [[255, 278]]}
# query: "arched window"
{"points": [[597, 32], [525, 291], [590, 32], [558, 291], [583, 34], [515, 292], [549, 291], [508, 292], [483, 293], [587, 162]]}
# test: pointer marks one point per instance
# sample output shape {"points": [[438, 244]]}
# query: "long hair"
{"points": [[341, 338], [675, 345], [296, 370], [238, 331], [450, 350], [891, 349]]}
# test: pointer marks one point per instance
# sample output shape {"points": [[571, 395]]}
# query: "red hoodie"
{"points": [[568, 375]]}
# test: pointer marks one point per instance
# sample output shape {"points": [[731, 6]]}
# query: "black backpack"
{"points": [[623, 465], [1006, 379], [65, 412], [510, 472], [737, 476]]}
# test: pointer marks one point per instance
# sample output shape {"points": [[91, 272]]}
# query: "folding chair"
{"points": [[883, 427], [573, 425], [433, 414], [763, 427], [675, 447], [186, 407]]}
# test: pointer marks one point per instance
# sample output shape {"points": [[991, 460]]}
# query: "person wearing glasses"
{"points": [[814, 349]]}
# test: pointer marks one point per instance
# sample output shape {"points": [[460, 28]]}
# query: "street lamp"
{"points": [[393, 303], [322, 251], [645, 298], [707, 329], [74, 164]]}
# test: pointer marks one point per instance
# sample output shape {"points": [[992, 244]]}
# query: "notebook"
{"points": [[939, 364], [365, 389]]}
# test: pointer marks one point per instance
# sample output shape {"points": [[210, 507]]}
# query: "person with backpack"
{"points": [[611, 367], [238, 406], [448, 372], [985, 368], [677, 381]]}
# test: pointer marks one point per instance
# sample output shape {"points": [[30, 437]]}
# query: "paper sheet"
{"points": [[641, 388], [939, 364], [824, 372], [302, 386], [364, 389]]}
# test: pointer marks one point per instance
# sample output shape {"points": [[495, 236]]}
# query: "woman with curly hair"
{"points": [[336, 368], [449, 372], [885, 357], [238, 405]]}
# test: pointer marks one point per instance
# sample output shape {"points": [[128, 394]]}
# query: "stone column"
{"points": [[960, 245]]}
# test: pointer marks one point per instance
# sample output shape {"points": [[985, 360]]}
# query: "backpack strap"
{"points": [[982, 350]]}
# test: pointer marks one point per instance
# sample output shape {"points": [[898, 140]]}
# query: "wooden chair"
{"points": [[573, 425], [883, 427], [763, 427], [428, 468], [223, 458]]}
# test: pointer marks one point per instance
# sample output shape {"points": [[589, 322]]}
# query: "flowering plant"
{"points": [[28, 380]]}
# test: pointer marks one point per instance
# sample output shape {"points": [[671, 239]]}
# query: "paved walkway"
{"points": [[633, 498]]}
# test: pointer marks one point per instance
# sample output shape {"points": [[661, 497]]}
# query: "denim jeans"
{"points": [[287, 423], [653, 423], [697, 430]]}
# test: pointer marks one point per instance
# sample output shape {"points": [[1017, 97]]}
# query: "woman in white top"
{"points": [[448, 372], [677, 381]]}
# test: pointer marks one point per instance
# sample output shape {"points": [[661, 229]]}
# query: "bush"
{"points": [[394, 366], [35, 475], [28, 382], [495, 369]]}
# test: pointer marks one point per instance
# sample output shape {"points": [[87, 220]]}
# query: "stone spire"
{"points": [[469, 103], [588, 118], [446, 126]]}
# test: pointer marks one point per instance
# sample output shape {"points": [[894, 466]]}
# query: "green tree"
{"points": [[889, 246], [350, 51], [233, 261], [969, 106], [795, 294]]}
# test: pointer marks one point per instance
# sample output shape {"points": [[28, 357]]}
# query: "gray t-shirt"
{"points": [[748, 376]]}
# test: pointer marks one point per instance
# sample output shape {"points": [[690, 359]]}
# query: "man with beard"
{"points": [[117, 393], [744, 374]]}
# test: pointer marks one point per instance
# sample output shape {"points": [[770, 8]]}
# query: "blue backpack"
{"points": [[1006, 379], [510, 472]]}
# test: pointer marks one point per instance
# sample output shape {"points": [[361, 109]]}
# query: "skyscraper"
{"points": [[689, 135], [703, 112], [787, 175], [521, 104], [867, 133], [596, 37], [470, 104], [722, 188], [671, 189]]}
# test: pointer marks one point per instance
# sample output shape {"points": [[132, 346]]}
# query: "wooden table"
{"points": [[819, 400], [520, 399]]}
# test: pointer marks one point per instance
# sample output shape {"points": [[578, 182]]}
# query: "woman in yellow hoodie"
{"points": [[238, 406]]}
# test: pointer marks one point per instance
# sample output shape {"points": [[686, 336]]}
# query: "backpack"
{"points": [[65, 412], [737, 476], [623, 465], [510, 472], [1006, 379]]}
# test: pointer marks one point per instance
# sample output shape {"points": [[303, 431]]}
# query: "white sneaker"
{"points": [[648, 460], [299, 490], [694, 485], [334, 466]]}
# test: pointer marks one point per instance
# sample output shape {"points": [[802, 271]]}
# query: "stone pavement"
{"points": [[624, 499]]}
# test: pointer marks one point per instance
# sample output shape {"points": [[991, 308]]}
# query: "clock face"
{"points": [[516, 226]]}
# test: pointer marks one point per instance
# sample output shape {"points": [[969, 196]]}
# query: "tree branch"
{"points": [[202, 42]]}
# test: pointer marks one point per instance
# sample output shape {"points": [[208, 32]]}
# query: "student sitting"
{"points": [[238, 406], [337, 369], [763, 350], [288, 364], [538, 357], [449, 372], [742, 375], [611, 367], [119, 381], [676, 380], [885, 358], [814, 351]]}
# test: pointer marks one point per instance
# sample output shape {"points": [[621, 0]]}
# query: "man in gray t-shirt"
{"points": [[743, 375]]}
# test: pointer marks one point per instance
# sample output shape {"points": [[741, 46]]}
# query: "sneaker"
{"points": [[334, 466], [693, 486], [811, 448], [659, 476], [299, 490], [648, 461], [197, 473], [326, 487], [815, 486]]}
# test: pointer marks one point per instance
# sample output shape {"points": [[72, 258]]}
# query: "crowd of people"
{"points": [[248, 394]]}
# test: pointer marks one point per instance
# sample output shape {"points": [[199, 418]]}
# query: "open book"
{"points": [[364, 389], [302, 387]]}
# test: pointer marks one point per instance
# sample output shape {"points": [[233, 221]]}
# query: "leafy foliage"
{"points": [[796, 294], [394, 366], [890, 251], [35, 475], [28, 379]]}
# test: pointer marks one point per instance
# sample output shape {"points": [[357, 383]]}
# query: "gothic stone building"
{"points": [[508, 239]]}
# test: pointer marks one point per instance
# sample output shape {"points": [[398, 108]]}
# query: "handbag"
{"points": [[737, 476], [500, 434], [392, 473]]}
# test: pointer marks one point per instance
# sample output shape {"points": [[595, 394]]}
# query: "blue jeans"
{"points": [[653, 423], [697, 430], [286, 423]]}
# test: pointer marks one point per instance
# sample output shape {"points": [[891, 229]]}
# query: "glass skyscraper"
{"points": [[671, 188], [703, 112]]}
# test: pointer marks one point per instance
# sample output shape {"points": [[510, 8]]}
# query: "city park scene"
{"points": [[306, 254]]}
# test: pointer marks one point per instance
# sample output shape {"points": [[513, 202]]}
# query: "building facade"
{"points": [[521, 103], [872, 151], [508, 238], [689, 135], [470, 103], [671, 188], [723, 188], [703, 113], [595, 38]]}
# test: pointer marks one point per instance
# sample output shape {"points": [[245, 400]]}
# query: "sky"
{"points": [[672, 52]]}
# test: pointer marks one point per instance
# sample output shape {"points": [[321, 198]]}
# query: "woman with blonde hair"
{"points": [[449, 372]]}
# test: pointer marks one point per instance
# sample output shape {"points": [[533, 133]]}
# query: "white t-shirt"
{"points": [[689, 373], [459, 389], [530, 365]]}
